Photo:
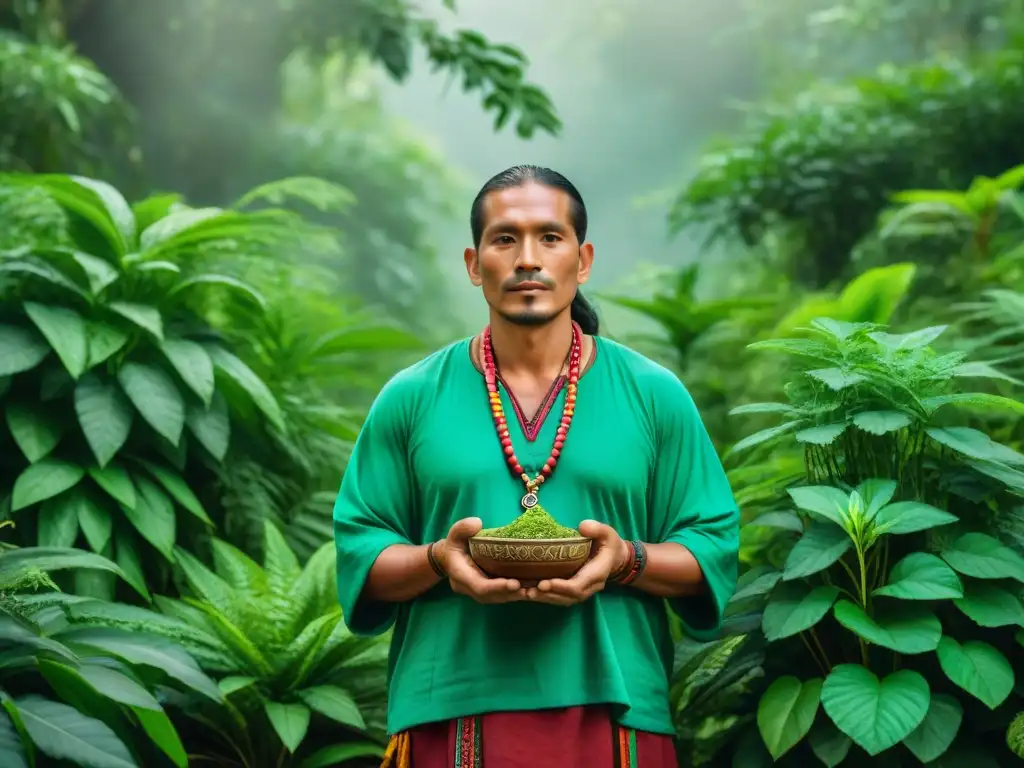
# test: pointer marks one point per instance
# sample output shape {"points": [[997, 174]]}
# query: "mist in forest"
{"points": [[640, 86]]}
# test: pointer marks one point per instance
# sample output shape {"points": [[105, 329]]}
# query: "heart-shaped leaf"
{"points": [[932, 737], [794, 607], [876, 714], [978, 668], [821, 545], [983, 557], [920, 576], [786, 713], [905, 628], [991, 606]]}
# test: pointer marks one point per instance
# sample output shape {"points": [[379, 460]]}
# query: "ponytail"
{"points": [[584, 315]]}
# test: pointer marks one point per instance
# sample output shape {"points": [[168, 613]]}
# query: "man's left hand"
{"points": [[609, 557]]}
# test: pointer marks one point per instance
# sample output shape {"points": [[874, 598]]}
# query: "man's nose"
{"points": [[529, 257]]}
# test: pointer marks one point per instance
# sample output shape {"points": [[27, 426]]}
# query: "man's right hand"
{"points": [[466, 578]]}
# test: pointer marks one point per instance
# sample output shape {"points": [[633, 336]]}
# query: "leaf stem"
{"points": [[810, 650], [863, 601], [821, 649]]}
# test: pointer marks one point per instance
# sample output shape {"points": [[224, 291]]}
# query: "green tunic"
{"points": [[637, 457]]}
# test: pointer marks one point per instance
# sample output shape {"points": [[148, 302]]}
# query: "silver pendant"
{"points": [[530, 501]]}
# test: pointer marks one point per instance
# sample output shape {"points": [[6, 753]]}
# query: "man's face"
{"points": [[529, 262]]}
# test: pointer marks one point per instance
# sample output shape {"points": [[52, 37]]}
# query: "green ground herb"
{"points": [[534, 523]]}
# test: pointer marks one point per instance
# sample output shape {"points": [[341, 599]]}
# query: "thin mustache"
{"points": [[511, 284]]}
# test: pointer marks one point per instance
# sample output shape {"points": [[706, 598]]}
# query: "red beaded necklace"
{"points": [[501, 424]]}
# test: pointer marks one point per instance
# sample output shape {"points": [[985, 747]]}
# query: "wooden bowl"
{"points": [[530, 560]]}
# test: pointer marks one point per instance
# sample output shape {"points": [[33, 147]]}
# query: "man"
{"points": [[567, 673]]}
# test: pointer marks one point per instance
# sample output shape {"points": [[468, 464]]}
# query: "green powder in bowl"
{"points": [[534, 523]]}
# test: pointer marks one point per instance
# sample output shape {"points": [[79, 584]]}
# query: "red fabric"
{"points": [[578, 737]]}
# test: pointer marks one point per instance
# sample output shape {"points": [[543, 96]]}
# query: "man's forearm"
{"points": [[402, 572], [670, 571]]}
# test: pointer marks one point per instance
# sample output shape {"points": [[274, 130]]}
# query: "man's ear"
{"points": [[585, 263], [473, 266]]}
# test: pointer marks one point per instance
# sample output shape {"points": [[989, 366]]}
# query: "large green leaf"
{"points": [[175, 485], [108, 682], [821, 545], [163, 230], [978, 668], [911, 517], [223, 281], [983, 557], [827, 503], [824, 434], [975, 444], [912, 340], [153, 517], [44, 480], [145, 317], [156, 398], [35, 431], [243, 376], [876, 714], [977, 401], [146, 650], [58, 522], [765, 435], [829, 744], [921, 576], [20, 350], [114, 479], [193, 364], [15, 561], [786, 711], [836, 379], [43, 271], [795, 607], [760, 585], [105, 416], [161, 730], [126, 553], [64, 733], [211, 427], [104, 341], [96, 522], [991, 606], [930, 740], [12, 751], [65, 330], [116, 208], [904, 628], [98, 273], [335, 703], [875, 493], [290, 721], [881, 422]]}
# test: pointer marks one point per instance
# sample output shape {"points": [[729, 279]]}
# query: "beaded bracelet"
{"points": [[637, 563], [432, 559]]}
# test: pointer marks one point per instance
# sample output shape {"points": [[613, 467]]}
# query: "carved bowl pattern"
{"points": [[530, 560]]}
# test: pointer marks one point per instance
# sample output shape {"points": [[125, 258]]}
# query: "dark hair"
{"points": [[582, 311]]}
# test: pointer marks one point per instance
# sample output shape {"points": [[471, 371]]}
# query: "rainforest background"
{"points": [[224, 225]]}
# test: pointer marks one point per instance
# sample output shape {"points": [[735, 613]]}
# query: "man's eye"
{"points": [[504, 240], [551, 238]]}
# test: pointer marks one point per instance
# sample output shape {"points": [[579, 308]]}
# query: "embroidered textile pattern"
{"points": [[468, 743]]}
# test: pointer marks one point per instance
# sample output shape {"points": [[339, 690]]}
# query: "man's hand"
{"points": [[466, 578], [609, 557]]}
